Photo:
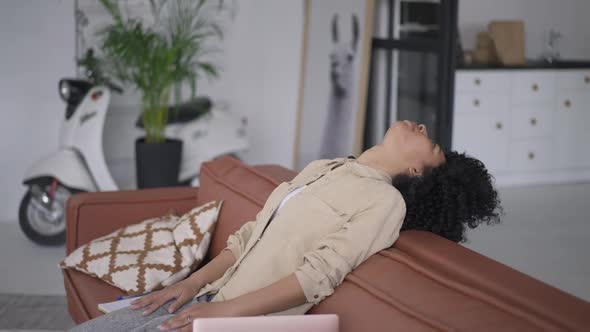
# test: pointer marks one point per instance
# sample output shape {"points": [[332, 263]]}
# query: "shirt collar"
{"points": [[364, 170]]}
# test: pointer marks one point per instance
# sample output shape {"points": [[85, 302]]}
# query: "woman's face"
{"points": [[409, 142]]}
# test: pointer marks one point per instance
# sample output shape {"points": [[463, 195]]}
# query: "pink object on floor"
{"points": [[315, 323]]}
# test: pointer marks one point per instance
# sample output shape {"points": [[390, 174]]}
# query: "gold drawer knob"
{"points": [[531, 155], [535, 87], [477, 81], [567, 103], [476, 102], [587, 79], [499, 125], [533, 121]]}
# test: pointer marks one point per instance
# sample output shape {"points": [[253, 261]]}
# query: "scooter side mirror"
{"points": [[72, 91]]}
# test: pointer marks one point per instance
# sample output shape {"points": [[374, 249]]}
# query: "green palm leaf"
{"points": [[159, 62]]}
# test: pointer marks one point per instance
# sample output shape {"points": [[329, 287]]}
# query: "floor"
{"points": [[31, 285], [26, 267], [18, 313], [545, 233]]}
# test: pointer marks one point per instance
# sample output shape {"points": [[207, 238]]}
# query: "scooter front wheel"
{"points": [[44, 222]]}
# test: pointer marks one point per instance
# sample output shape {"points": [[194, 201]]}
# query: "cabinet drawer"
{"points": [[484, 137], [573, 80], [474, 81], [571, 138], [573, 101], [533, 87], [480, 103], [527, 121], [534, 154]]}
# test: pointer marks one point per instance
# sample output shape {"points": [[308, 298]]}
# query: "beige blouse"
{"points": [[348, 212]]}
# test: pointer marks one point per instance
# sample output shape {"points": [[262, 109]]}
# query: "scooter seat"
{"points": [[185, 112]]}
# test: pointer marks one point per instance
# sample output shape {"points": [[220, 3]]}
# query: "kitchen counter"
{"points": [[560, 64]]}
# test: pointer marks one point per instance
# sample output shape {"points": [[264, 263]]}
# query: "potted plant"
{"points": [[157, 60]]}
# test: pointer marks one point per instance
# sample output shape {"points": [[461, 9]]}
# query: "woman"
{"points": [[340, 212]]}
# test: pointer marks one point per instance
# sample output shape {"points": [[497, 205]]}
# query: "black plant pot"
{"points": [[157, 164]]}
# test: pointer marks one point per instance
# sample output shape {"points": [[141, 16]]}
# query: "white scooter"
{"points": [[79, 164]]}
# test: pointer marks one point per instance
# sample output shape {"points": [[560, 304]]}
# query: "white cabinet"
{"points": [[573, 79], [473, 81], [528, 121], [491, 147], [530, 155], [532, 87], [479, 103], [526, 126], [573, 113]]}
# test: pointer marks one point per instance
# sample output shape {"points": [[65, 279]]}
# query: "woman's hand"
{"points": [[183, 321], [183, 291]]}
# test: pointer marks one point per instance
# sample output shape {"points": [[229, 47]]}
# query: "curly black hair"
{"points": [[449, 197]]}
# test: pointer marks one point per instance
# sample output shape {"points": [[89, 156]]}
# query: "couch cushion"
{"points": [[397, 298], [151, 254], [428, 283], [244, 190]]}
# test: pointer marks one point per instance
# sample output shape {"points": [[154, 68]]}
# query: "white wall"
{"points": [[260, 77], [272, 124], [259, 80], [570, 17], [37, 39]]}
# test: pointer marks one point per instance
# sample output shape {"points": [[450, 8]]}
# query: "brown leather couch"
{"points": [[422, 283]]}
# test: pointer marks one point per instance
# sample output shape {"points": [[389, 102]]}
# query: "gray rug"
{"points": [[33, 313]]}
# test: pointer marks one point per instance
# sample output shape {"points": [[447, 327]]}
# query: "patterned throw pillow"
{"points": [[151, 254]]}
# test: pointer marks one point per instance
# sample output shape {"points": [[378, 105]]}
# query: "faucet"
{"points": [[552, 53]]}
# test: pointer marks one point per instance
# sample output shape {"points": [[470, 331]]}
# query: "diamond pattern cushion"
{"points": [[151, 254]]}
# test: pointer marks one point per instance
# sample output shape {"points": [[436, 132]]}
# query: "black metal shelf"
{"points": [[530, 65]]}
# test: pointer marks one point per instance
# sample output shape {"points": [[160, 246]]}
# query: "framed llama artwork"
{"points": [[334, 76]]}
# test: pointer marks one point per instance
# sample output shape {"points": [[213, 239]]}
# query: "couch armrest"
{"points": [[92, 215]]}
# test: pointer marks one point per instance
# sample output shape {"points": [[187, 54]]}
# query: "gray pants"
{"points": [[131, 320]]}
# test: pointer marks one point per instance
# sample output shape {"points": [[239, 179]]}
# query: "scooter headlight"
{"points": [[65, 91]]}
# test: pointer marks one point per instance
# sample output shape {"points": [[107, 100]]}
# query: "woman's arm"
{"points": [[334, 256], [282, 295], [236, 243], [214, 269], [186, 289]]}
